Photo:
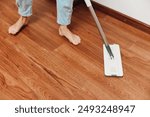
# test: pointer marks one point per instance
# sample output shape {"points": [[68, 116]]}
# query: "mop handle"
{"points": [[89, 5]]}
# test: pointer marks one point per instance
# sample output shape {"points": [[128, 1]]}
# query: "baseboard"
{"points": [[124, 18]]}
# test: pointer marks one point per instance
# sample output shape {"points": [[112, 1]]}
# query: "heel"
{"points": [[60, 33]]}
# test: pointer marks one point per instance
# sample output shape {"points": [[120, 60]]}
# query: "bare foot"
{"points": [[74, 39], [15, 28]]}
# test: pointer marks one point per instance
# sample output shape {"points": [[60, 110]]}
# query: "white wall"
{"points": [[137, 9]]}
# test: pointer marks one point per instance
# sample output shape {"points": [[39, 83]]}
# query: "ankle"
{"points": [[24, 19], [63, 28]]}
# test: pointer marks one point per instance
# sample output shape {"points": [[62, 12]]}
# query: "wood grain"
{"points": [[39, 64]]}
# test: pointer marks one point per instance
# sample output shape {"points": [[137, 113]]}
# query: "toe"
{"points": [[76, 40], [9, 30]]}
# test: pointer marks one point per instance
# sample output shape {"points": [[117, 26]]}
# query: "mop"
{"points": [[112, 55]]}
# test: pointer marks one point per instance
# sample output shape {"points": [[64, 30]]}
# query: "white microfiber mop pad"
{"points": [[113, 67]]}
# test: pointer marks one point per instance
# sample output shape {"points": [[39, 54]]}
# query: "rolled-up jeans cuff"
{"points": [[24, 7], [63, 22], [25, 13]]}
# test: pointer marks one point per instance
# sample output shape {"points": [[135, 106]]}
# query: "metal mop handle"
{"points": [[89, 5]]}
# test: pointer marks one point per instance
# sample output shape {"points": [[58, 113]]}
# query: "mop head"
{"points": [[113, 67]]}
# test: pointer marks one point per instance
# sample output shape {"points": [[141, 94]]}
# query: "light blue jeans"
{"points": [[64, 10]]}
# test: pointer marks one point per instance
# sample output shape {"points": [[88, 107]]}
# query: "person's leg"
{"points": [[64, 13], [25, 11]]}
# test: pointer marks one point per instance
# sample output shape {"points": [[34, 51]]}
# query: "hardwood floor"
{"points": [[39, 64]]}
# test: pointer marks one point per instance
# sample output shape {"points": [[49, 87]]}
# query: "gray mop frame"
{"points": [[101, 31]]}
